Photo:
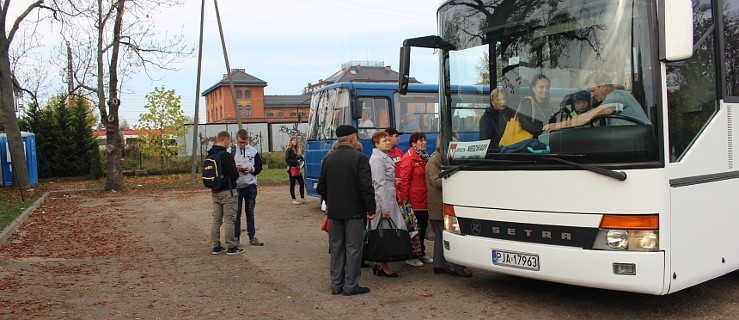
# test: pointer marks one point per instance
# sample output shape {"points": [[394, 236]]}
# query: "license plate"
{"points": [[512, 259]]}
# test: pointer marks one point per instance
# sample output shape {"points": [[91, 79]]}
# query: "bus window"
{"points": [[468, 109], [692, 99], [374, 116], [731, 46], [417, 112], [329, 109]]}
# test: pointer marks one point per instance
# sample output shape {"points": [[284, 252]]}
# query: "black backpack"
{"points": [[213, 175]]}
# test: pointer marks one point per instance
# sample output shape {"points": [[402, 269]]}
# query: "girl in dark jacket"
{"points": [[294, 159]]}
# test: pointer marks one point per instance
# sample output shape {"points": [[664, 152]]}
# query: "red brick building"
{"points": [[251, 102]]}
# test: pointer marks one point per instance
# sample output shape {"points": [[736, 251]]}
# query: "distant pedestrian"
{"points": [[346, 185], [224, 200], [294, 160], [249, 163]]}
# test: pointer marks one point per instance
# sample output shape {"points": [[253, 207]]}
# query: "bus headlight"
{"points": [[643, 240], [628, 233], [451, 224], [617, 239]]}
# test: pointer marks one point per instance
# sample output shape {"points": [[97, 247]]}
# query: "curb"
{"points": [[16, 224]]}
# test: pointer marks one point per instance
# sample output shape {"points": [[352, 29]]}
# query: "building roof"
{"points": [[358, 73], [292, 101], [240, 78]]}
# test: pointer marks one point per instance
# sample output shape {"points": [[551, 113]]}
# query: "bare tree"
{"points": [[9, 84], [122, 41]]}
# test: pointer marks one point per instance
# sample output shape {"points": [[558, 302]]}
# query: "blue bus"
{"points": [[376, 106]]}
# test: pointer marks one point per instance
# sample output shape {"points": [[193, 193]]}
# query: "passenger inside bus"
{"points": [[493, 121], [366, 122], [382, 117], [410, 123], [613, 101]]}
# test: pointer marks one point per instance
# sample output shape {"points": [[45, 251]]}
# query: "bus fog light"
{"points": [[451, 224], [617, 239], [643, 240], [624, 269]]}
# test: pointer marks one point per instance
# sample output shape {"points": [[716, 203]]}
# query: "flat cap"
{"points": [[345, 130]]}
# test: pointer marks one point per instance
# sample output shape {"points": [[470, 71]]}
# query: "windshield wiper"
{"points": [[446, 173], [618, 175]]}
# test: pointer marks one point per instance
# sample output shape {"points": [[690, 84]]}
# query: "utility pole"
{"points": [[228, 66], [195, 143]]}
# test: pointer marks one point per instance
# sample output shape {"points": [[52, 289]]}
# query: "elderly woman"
{"points": [[495, 118], [383, 179]]}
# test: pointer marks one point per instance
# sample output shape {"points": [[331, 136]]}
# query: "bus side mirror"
{"points": [[675, 18], [405, 66], [357, 108]]}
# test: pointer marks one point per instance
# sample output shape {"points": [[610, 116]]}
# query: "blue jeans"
{"points": [[249, 196]]}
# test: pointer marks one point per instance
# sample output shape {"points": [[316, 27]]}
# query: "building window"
{"points": [[293, 114], [270, 114], [248, 110], [279, 114], [247, 94], [238, 94]]}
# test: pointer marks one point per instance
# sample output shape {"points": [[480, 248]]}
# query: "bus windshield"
{"points": [[328, 109], [572, 78]]}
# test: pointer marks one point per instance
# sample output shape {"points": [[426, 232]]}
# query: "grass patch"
{"points": [[11, 205]]}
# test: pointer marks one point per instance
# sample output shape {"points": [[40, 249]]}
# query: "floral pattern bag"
{"points": [[411, 224]]}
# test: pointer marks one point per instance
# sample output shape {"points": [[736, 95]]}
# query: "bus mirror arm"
{"points": [[618, 175], [433, 42]]}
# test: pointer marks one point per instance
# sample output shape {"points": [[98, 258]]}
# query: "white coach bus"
{"points": [[637, 191]]}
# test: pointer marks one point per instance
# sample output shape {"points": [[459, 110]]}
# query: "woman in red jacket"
{"points": [[412, 187]]}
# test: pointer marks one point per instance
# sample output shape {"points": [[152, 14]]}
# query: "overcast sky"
{"points": [[289, 43]]}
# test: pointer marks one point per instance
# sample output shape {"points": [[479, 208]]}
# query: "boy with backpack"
{"points": [[220, 174]]}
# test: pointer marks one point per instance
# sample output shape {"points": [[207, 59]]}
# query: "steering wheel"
{"points": [[614, 116]]}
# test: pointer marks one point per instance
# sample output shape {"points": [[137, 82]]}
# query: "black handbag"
{"points": [[387, 245]]}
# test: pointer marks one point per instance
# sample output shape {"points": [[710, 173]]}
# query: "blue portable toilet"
{"points": [[6, 168]]}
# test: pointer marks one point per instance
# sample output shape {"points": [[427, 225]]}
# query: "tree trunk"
{"points": [[8, 118]]}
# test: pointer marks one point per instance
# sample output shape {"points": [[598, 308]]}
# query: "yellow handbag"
{"points": [[513, 132]]}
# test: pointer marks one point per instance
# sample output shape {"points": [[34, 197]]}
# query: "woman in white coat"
{"points": [[383, 180]]}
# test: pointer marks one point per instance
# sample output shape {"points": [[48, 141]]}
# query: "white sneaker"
{"points": [[414, 262], [426, 260], [295, 201]]}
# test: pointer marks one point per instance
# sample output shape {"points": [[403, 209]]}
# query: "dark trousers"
{"points": [[248, 196], [299, 179], [423, 223], [345, 246]]}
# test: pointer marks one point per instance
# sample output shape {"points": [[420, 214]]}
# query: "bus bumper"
{"points": [[568, 265]]}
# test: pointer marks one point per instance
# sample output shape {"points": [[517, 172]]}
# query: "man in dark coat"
{"points": [[346, 186]]}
